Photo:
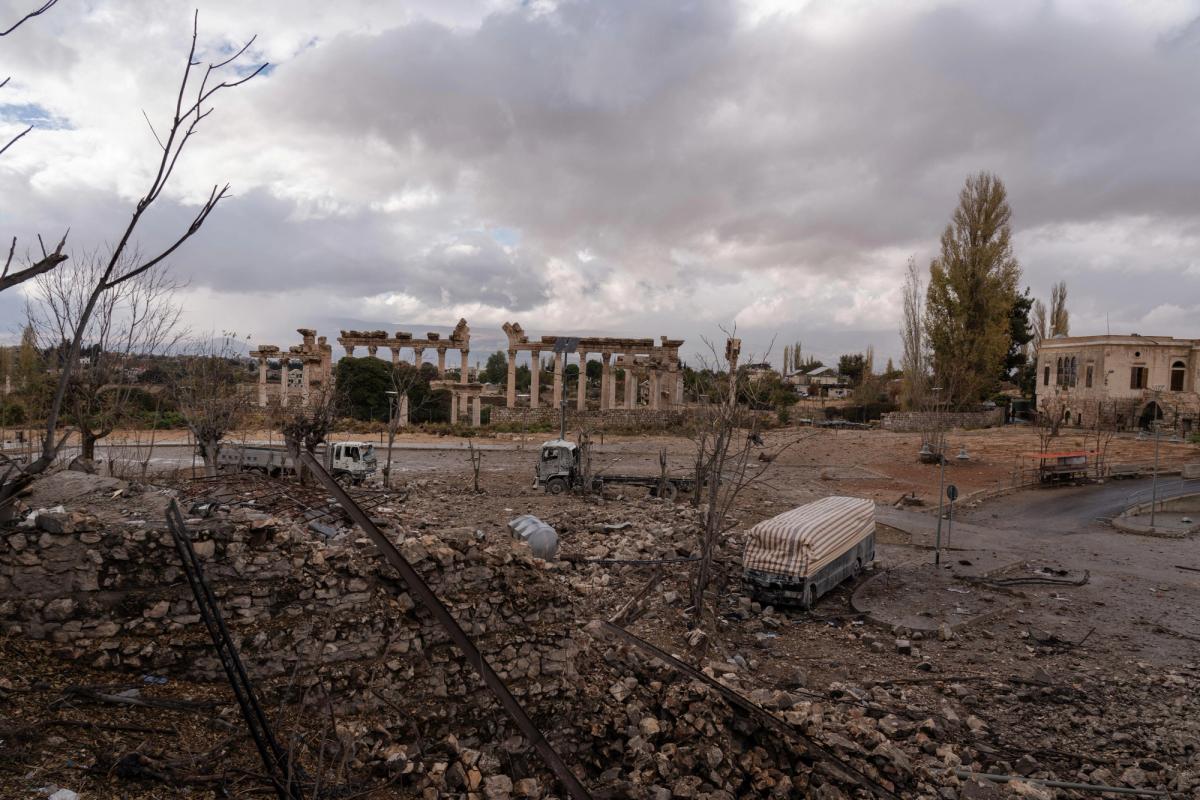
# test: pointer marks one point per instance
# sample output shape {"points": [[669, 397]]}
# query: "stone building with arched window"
{"points": [[1127, 381]]}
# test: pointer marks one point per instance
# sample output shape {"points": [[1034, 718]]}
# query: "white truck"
{"points": [[353, 461], [799, 555]]}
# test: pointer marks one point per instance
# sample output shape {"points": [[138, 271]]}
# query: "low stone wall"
{"points": [[914, 421], [115, 597], [613, 417]]}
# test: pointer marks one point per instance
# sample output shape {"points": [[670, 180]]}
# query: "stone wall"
{"points": [[914, 421], [641, 417], [115, 596]]}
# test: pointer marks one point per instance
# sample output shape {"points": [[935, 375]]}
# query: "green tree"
{"points": [[496, 369], [853, 366], [972, 289], [363, 384], [1020, 334]]}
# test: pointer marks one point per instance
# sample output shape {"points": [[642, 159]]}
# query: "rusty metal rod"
{"points": [[1098, 788], [426, 597]]}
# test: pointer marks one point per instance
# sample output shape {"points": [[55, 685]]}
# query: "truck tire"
{"points": [[670, 491], [556, 486]]}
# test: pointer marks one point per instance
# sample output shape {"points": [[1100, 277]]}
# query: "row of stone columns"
{"points": [[608, 382], [419, 357]]}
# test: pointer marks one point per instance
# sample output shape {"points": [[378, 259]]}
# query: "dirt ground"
{"points": [[1095, 682]]}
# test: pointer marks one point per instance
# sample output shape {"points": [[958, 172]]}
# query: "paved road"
{"points": [[1134, 579]]}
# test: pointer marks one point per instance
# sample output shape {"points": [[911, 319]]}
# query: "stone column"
{"points": [[262, 382], [418, 356], [558, 380], [655, 388], [402, 414], [349, 350], [678, 399], [304, 379], [631, 383], [476, 412], [466, 369], [284, 369], [372, 349], [453, 407], [612, 385], [535, 377], [581, 384], [512, 379], [605, 381], [395, 356], [441, 362]]}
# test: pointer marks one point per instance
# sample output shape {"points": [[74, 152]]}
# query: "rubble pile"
{"points": [[329, 632]]}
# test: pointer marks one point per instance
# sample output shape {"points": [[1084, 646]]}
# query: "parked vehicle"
{"points": [[558, 470], [353, 461], [799, 555]]}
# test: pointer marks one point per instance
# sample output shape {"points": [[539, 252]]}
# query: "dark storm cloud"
{"points": [[663, 167]]}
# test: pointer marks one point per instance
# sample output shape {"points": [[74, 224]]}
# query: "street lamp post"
{"points": [[940, 449]]}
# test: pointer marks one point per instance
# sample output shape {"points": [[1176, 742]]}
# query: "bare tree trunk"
{"points": [[87, 443]]}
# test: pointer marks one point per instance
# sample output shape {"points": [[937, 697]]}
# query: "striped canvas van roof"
{"points": [[800, 542]]}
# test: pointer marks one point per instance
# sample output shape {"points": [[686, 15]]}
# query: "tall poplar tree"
{"points": [[972, 289]]}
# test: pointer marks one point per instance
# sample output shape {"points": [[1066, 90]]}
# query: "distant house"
{"points": [[825, 376], [823, 382], [756, 372], [1127, 380]]}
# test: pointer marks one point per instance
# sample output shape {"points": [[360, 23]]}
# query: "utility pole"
{"points": [[1157, 423], [562, 419], [387, 470]]}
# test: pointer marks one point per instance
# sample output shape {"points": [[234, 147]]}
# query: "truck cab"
{"points": [[354, 460], [558, 466]]}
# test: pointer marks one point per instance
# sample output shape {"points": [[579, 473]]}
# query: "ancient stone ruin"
{"points": [[316, 368], [460, 340], [646, 365]]}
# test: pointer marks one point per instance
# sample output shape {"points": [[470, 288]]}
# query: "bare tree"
{"points": [[132, 320], [915, 360], [1104, 428], [1060, 320], [405, 379], [211, 395], [1040, 330], [476, 459], [49, 260], [1049, 419], [185, 119], [727, 436], [306, 426]]}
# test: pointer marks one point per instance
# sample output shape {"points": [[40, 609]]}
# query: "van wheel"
{"points": [[812, 596], [857, 569], [670, 490], [556, 486]]}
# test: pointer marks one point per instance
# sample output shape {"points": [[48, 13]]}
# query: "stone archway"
{"points": [[1151, 412]]}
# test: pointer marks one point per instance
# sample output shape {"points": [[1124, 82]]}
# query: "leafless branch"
{"points": [[16, 138], [46, 6], [183, 126], [48, 262]]}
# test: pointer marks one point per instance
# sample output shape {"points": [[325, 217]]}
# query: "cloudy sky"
{"points": [[620, 167]]}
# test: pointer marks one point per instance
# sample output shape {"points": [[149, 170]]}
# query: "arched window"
{"points": [[1074, 371], [1178, 371], [1058, 373]]}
